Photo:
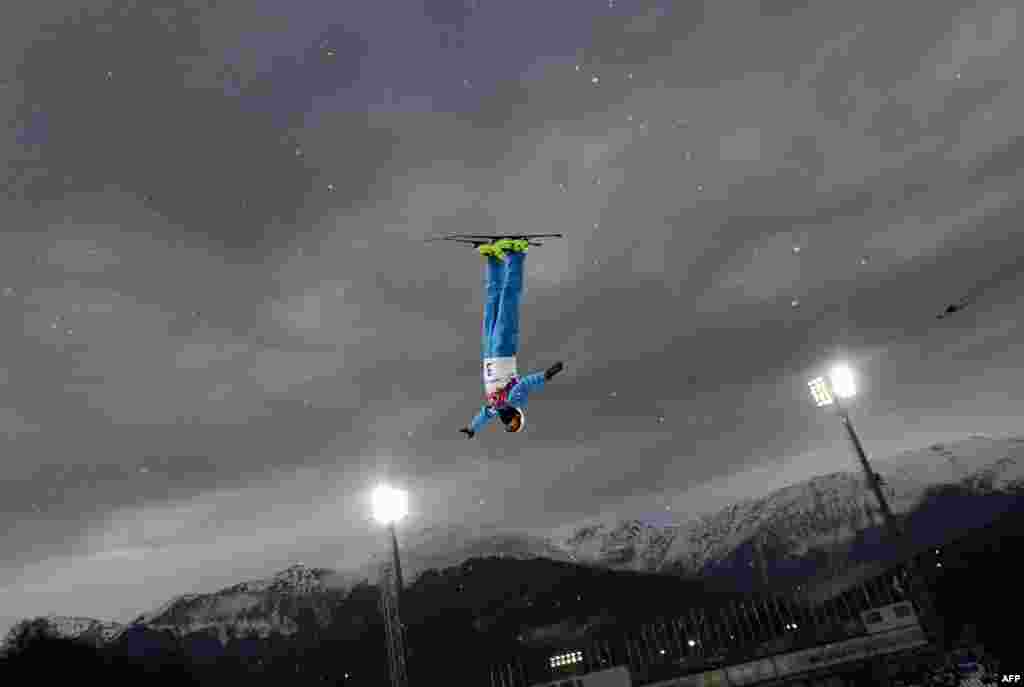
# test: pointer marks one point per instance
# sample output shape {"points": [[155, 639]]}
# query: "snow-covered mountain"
{"points": [[791, 530], [259, 607], [821, 513], [282, 603], [94, 631]]}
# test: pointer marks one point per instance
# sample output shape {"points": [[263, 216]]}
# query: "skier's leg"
{"points": [[506, 328], [494, 277]]}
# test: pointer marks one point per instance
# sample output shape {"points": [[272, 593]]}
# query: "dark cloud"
{"points": [[1006, 160], [452, 14], [230, 225], [130, 98], [781, 8]]}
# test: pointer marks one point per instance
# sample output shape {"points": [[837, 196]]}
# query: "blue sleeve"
{"points": [[485, 415], [526, 385], [534, 381]]}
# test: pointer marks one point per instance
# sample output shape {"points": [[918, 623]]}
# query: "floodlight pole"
{"points": [[391, 592], [396, 561], [872, 477], [918, 590]]}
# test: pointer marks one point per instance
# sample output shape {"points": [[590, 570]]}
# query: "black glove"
{"points": [[468, 432], [553, 370]]}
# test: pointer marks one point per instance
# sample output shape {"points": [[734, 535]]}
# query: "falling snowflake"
{"points": [[68, 332], [330, 53], [863, 261], [53, 325], [596, 225], [596, 181], [563, 188], [195, 313], [577, 67], [956, 76], [110, 75], [143, 469], [9, 291], [687, 155], [595, 79], [298, 152], [629, 76], [595, 262], [661, 419], [613, 394], [629, 118], [795, 303], [330, 187], [466, 83], [796, 249], [700, 187]]}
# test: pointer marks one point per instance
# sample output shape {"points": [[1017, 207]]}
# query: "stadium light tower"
{"points": [[830, 392], [841, 385], [390, 505]]}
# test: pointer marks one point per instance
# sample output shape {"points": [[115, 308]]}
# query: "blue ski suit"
{"points": [[504, 284]]}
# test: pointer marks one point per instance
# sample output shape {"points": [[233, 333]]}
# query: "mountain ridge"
{"points": [[825, 510], [779, 534]]}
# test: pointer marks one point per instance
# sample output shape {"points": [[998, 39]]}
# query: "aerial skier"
{"points": [[506, 392]]}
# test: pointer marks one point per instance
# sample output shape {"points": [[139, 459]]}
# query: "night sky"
{"points": [[220, 326]]}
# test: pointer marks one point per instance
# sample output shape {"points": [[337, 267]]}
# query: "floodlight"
{"points": [[691, 643], [389, 504], [820, 392], [843, 381]]}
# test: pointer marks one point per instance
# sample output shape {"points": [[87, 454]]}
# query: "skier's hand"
{"points": [[468, 432], [553, 370]]}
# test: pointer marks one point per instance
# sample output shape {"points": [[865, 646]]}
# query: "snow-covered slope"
{"points": [[259, 607], [821, 512], [66, 627]]}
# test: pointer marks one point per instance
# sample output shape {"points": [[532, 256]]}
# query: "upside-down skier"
{"points": [[506, 392]]}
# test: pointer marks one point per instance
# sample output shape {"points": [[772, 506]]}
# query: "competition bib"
{"points": [[498, 372]]}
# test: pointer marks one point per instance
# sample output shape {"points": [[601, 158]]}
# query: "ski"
{"points": [[481, 239]]}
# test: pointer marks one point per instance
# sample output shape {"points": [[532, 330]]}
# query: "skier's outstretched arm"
{"points": [[485, 415], [532, 382], [538, 379]]}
